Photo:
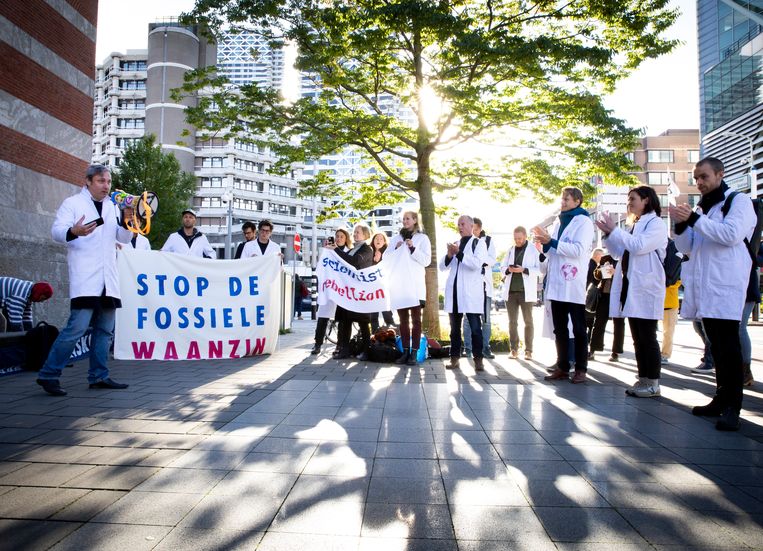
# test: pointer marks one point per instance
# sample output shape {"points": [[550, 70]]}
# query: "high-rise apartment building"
{"points": [[245, 58], [133, 98], [731, 86], [47, 54]]}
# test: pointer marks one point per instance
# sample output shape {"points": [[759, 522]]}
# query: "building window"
{"points": [[657, 178], [212, 162], [212, 142], [132, 85], [693, 155], [630, 156], [131, 123], [211, 182], [660, 156], [694, 200], [249, 166], [132, 65], [690, 179]]}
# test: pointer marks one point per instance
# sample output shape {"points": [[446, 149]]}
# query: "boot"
{"points": [[316, 349], [713, 409], [478, 364], [403, 359], [748, 379], [453, 363], [413, 353], [729, 420]]}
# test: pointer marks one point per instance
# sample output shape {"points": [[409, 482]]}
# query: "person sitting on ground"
{"points": [[16, 299]]}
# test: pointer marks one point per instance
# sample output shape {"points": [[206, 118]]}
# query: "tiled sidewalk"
{"points": [[300, 452]]}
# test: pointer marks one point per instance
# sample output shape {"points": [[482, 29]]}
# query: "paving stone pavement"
{"points": [[292, 451]]}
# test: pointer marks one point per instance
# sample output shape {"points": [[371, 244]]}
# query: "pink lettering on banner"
{"points": [[352, 293], [215, 349], [259, 346], [142, 350], [170, 353], [193, 351], [234, 348]]}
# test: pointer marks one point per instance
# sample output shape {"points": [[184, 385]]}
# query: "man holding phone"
{"points": [[521, 267], [90, 226]]}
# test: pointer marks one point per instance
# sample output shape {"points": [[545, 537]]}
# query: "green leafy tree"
{"points": [[528, 76], [144, 167]]}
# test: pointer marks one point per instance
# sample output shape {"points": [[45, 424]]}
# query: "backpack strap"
{"points": [[725, 210]]}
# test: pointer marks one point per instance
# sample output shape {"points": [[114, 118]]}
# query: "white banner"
{"points": [[177, 307], [355, 290]]}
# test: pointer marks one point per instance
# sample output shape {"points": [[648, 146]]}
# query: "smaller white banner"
{"points": [[367, 290]]}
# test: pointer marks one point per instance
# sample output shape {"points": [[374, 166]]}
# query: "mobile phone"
{"points": [[330, 240], [98, 221]]}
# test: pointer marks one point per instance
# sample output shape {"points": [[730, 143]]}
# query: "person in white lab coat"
{"points": [[715, 280], [568, 248], [90, 225], [638, 284], [487, 279], [188, 240], [262, 246], [521, 267], [464, 290]]}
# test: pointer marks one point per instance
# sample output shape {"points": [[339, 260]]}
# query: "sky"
{"points": [[661, 94]]}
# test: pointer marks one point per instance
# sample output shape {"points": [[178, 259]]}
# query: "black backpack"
{"points": [[753, 245], [672, 264], [38, 341]]}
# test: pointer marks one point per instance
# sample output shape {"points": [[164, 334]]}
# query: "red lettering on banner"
{"points": [[259, 346], [193, 351], [143, 351], [170, 353], [215, 349], [234, 344]]}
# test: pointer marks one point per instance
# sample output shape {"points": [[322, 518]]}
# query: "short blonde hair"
{"points": [[365, 229]]}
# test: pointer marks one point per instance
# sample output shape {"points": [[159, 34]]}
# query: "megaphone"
{"points": [[144, 207]]}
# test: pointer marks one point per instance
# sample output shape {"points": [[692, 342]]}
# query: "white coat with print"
{"points": [[467, 275], [646, 276], [716, 276], [568, 261], [92, 258]]}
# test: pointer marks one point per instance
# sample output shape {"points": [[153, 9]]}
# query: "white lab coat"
{"points": [[142, 243], [531, 261], [568, 262], [200, 246], [252, 249], [421, 256], [469, 284], [92, 258], [646, 276], [716, 276]]}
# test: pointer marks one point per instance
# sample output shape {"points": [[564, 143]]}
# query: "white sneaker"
{"points": [[650, 389], [664, 360], [640, 383]]}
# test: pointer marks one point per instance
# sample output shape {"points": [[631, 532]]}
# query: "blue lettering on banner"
{"points": [[181, 286], [142, 287], [234, 286]]}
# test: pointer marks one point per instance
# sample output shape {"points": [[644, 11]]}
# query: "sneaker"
{"points": [[614, 357], [703, 368], [579, 377], [453, 363], [528, 355], [648, 389], [749, 380], [729, 420], [640, 383], [489, 355], [514, 354], [664, 360], [316, 349], [557, 375]]}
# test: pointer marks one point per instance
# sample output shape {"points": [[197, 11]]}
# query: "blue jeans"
{"points": [[485, 329], [707, 357], [475, 325], [103, 332], [744, 336]]}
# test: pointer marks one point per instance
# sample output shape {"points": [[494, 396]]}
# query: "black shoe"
{"points": [[342, 355], [729, 420], [362, 357], [316, 349], [412, 355], [403, 359], [592, 355], [713, 409], [453, 364], [478, 364], [109, 383], [52, 387]]}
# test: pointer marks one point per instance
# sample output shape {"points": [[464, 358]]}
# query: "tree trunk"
{"points": [[431, 319]]}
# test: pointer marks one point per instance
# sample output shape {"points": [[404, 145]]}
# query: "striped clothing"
{"points": [[16, 303]]}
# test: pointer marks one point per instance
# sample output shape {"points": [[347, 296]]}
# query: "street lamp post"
{"points": [[753, 171], [227, 197]]}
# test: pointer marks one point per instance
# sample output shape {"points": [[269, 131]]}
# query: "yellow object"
{"points": [[671, 295]]}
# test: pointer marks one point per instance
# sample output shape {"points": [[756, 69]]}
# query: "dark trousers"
{"points": [[600, 327], [727, 352], [320, 330], [345, 332], [388, 320], [516, 302], [475, 323], [410, 322], [646, 347], [562, 313], [707, 356]]}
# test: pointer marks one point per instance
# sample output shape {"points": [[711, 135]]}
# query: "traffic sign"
{"points": [[297, 243]]}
